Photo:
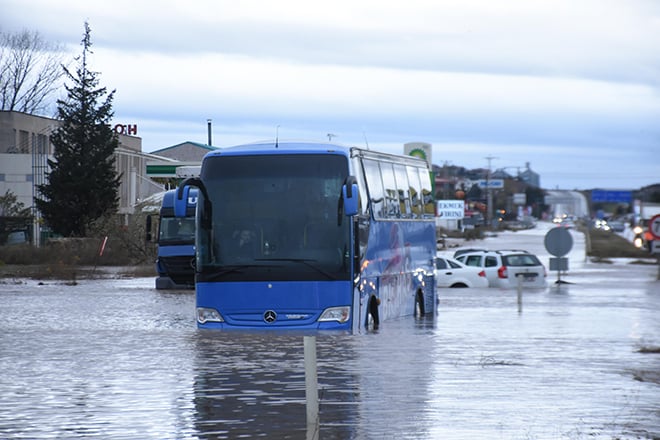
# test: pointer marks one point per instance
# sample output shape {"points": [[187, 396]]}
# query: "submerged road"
{"points": [[116, 359]]}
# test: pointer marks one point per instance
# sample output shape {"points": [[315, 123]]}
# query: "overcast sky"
{"points": [[570, 86]]}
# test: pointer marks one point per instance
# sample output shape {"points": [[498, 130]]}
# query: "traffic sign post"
{"points": [[558, 242], [654, 229], [655, 247]]}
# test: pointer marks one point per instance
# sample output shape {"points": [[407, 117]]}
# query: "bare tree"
{"points": [[30, 71]]}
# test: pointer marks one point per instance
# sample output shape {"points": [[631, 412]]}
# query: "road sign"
{"points": [[558, 241], [519, 198], [610, 196], [655, 248], [559, 263], [492, 183], [654, 226]]}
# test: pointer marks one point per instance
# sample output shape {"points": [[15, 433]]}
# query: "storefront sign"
{"points": [[451, 209]]}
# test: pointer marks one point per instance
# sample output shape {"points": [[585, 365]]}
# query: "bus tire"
{"points": [[373, 311], [419, 304]]}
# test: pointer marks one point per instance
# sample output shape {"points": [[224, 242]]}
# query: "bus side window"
{"points": [[427, 194], [404, 195], [375, 187], [415, 191], [363, 233], [391, 192]]}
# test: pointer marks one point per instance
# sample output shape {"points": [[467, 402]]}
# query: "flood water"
{"points": [[117, 359]]}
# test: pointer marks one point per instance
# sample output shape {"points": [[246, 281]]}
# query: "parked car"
{"points": [[617, 225], [502, 267], [600, 224], [568, 224], [462, 251], [452, 273]]}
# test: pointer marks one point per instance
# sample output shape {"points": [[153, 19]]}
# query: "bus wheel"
{"points": [[419, 304], [373, 311]]}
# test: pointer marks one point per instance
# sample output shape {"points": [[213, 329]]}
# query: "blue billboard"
{"points": [[611, 196]]}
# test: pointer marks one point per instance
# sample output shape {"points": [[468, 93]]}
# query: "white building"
{"points": [[25, 147]]}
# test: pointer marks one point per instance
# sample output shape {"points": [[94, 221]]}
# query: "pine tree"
{"points": [[82, 184]]}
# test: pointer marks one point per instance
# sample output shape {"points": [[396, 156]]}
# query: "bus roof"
{"points": [[310, 147], [281, 147]]}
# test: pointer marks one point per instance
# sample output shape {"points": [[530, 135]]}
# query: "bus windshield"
{"points": [[274, 217]]}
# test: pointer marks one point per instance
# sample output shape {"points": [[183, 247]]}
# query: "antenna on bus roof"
{"points": [[277, 136], [365, 139]]}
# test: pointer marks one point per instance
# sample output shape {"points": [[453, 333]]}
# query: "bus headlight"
{"points": [[205, 315], [339, 314]]}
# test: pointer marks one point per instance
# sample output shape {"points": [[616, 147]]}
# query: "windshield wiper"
{"points": [[226, 270], [216, 274], [307, 262]]}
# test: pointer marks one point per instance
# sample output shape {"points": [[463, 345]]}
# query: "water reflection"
{"points": [[118, 359], [253, 384]]}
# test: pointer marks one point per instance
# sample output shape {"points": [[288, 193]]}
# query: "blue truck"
{"points": [[175, 262]]}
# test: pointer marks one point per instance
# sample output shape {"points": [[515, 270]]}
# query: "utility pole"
{"points": [[489, 195], [446, 183]]}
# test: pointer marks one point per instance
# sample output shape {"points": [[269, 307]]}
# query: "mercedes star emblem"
{"points": [[270, 316]]}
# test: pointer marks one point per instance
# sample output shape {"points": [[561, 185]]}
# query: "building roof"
{"points": [[187, 143]]}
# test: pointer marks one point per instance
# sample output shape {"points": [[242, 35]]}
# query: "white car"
{"points": [[452, 273], [505, 266]]}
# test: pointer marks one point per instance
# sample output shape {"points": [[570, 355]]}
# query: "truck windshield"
{"points": [[173, 230], [275, 217]]}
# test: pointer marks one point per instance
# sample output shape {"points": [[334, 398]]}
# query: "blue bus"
{"points": [[311, 236], [175, 261]]}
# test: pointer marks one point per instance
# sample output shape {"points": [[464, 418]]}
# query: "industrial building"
{"points": [[25, 147]]}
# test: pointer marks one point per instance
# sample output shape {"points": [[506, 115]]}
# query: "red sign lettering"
{"points": [[130, 129]]}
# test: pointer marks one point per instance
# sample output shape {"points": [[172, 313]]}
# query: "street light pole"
{"points": [[489, 196]]}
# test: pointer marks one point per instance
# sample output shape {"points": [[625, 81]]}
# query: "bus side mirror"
{"points": [[183, 197], [181, 201], [148, 228], [350, 195]]}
